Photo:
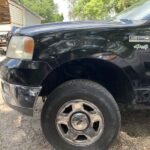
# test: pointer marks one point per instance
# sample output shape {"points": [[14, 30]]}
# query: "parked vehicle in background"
{"points": [[3, 41], [83, 70], [2, 38], [14, 15]]}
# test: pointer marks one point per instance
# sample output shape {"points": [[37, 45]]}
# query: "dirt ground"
{"points": [[18, 132]]}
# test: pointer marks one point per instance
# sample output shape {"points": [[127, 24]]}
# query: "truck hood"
{"points": [[68, 26]]}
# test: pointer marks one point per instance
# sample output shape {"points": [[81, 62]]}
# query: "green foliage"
{"points": [[97, 9], [45, 8]]}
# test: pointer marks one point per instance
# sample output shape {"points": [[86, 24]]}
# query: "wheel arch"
{"points": [[112, 77]]}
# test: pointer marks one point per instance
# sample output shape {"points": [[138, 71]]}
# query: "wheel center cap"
{"points": [[79, 121]]}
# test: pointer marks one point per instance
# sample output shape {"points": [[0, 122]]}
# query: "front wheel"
{"points": [[80, 115]]}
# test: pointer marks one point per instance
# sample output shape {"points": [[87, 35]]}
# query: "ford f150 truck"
{"points": [[83, 70]]}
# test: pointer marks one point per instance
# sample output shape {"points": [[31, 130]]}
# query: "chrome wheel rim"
{"points": [[80, 122]]}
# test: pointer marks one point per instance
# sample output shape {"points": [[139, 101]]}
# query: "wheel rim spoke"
{"points": [[90, 133], [72, 135], [95, 116], [63, 119], [77, 106]]}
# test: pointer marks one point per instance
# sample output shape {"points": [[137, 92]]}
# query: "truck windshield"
{"points": [[140, 11]]}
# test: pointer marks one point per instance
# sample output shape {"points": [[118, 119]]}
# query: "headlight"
{"points": [[21, 47]]}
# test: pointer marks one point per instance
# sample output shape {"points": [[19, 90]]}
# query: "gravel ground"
{"points": [[18, 132]]}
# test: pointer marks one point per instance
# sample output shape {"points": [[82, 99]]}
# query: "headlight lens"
{"points": [[21, 47]]}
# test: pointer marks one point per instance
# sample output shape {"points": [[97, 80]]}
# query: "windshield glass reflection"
{"points": [[140, 11]]}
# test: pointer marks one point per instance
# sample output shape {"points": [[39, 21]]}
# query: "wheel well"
{"points": [[103, 72]]}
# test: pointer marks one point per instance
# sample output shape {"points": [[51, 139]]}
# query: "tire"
{"points": [[69, 100]]}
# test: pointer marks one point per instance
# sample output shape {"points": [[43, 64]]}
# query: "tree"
{"points": [[97, 9], [45, 8]]}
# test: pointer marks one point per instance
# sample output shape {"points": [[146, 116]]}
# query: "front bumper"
{"points": [[20, 98]]}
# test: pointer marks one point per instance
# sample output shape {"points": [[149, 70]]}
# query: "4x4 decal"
{"points": [[141, 47]]}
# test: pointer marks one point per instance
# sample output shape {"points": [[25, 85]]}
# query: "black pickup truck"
{"points": [[83, 70]]}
